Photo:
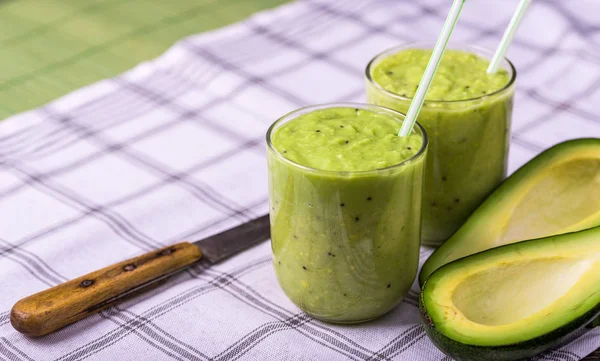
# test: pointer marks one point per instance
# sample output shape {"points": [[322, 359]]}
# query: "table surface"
{"points": [[50, 48], [53, 47], [594, 356]]}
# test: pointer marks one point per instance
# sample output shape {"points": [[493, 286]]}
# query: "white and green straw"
{"points": [[432, 66], [509, 34]]}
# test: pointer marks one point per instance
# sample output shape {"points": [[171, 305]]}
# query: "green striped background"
{"points": [[51, 47]]}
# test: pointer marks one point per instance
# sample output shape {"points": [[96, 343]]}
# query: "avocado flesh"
{"points": [[567, 196], [514, 301], [557, 192]]}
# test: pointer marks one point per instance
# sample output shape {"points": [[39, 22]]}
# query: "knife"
{"points": [[62, 305]]}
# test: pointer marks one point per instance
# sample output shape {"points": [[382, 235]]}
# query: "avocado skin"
{"points": [[514, 352]]}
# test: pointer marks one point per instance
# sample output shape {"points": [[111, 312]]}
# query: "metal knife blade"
{"points": [[234, 240]]}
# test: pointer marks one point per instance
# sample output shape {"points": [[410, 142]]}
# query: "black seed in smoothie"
{"points": [[341, 126], [403, 94], [433, 204], [409, 148], [369, 198], [357, 219], [444, 178], [330, 254], [456, 200], [304, 268], [389, 72], [356, 110], [342, 204], [484, 92], [318, 130], [295, 237], [347, 142], [279, 263], [467, 87], [389, 285], [345, 295]]}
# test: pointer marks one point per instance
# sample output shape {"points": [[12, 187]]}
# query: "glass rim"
{"points": [[396, 114], [417, 44]]}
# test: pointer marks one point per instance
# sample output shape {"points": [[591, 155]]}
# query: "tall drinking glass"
{"points": [[469, 140], [345, 243]]}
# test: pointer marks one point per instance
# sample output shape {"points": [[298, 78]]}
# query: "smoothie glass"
{"points": [[468, 150], [345, 244]]}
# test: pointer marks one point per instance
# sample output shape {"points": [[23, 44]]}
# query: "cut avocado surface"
{"points": [[557, 192], [514, 301]]}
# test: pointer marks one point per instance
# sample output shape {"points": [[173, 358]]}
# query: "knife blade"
{"points": [[227, 243], [66, 303]]}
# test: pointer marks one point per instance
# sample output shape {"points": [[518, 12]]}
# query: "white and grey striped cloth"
{"points": [[174, 150]]}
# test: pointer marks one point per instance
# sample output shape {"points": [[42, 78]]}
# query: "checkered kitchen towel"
{"points": [[174, 150]]}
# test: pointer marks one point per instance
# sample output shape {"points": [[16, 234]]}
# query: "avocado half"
{"points": [[515, 301], [557, 192]]}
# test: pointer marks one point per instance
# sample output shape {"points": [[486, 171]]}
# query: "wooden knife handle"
{"points": [[59, 306]]}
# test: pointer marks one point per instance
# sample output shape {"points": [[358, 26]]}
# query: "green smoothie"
{"points": [[345, 195], [466, 115]]}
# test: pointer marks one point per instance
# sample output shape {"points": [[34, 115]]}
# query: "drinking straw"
{"points": [[509, 34], [432, 66]]}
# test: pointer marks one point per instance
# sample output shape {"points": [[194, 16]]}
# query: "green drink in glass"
{"points": [[466, 114], [345, 195]]}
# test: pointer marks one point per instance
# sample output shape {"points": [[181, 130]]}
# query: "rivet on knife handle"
{"points": [[59, 306]]}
